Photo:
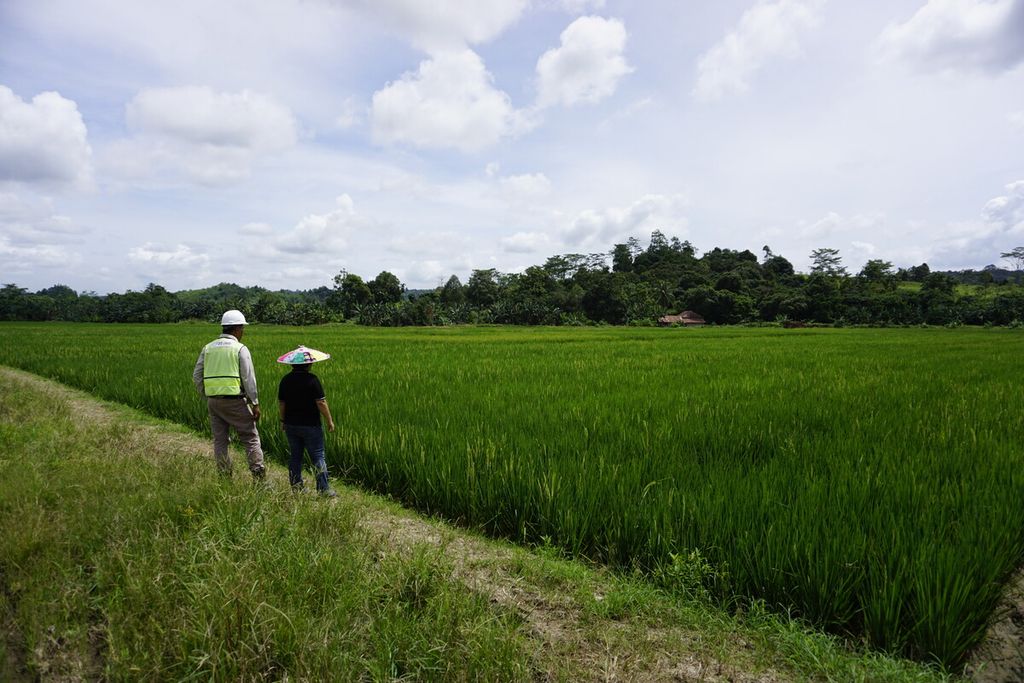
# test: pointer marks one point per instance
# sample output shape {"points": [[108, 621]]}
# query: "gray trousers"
{"points": [[234, 413]]}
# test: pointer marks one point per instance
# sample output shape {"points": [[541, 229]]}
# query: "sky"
{"points": [[277, 143]]}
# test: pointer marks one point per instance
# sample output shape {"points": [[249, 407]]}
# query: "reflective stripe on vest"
{"points": [[221, 376]]}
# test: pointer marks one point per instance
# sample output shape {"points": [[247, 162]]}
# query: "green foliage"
{"points": [[827, 262], [386, 288], [693, 576]]}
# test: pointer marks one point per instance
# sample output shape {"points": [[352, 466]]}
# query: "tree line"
{"points": [[632, 284]]}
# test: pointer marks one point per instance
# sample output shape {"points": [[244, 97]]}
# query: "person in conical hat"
{"points": [[302, 403], [224, 375]]}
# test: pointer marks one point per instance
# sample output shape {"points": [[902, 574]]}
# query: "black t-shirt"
{"points": [[300, 390]]}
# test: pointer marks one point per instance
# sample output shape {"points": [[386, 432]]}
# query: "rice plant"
{"points": [[868, 481]]}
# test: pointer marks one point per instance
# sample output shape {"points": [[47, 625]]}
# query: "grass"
{"points": [[866, 481], [122, 556], [120, 567]]}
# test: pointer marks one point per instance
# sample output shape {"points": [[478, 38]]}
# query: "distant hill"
{"points": [[989, 273]]}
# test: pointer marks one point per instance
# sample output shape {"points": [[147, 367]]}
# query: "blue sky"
{"points": [[276, 143]]}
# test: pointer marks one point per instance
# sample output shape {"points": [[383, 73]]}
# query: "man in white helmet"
{"points": [[224, 375]]}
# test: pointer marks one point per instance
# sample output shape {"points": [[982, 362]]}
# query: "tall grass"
{"points": [[120, 567], [866, 480]]}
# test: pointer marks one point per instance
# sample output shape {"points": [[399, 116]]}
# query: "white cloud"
{"points": [[1000, 229], [201, 116], [351, 114], [832, 223], [823, 226], [626, 113], [228, 43], [444, 25], [212, 137], [450, 101], [423, 272], [575, 6], [256, 229], [650, 212], [864, 249], [158, 262], [424, 243], [178, 257], [33, 236], [42, 141], [34, 219], [324, 234], [1016, 120], [1006, 212], [588, 64], [987, 35], [525, 186], [770, 29], [525, 242], [18, 259]]}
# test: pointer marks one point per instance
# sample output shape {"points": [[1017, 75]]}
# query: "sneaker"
{"points": [[329, 493]]}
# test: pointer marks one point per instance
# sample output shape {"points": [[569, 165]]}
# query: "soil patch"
{"points": [[1000, 657]]}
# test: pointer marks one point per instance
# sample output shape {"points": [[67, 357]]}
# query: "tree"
{"points": [[1015, 256], [13, 300], [622, 259], [453, 293], [565, 266], [723, 260], [269, 308], [828, 262], [350, 293], [64, 298], [603, 301], [878, 273], [658, 243], [918, 273], [938, 299], [719, 306], [159, 305], [482, 288], [683, 248], [777, 267], [386, 288]]}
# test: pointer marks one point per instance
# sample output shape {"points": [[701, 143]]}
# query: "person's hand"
{"points": [[330, 426], [256, 413]]}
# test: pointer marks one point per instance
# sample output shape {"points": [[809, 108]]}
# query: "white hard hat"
{"points": [[232, 318]]}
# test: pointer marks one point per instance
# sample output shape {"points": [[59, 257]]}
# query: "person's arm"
{"points": [[280, 409], [248, 374], [321, 405], [197, 373]]}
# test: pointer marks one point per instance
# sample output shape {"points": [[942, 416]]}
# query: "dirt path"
{"points": [[1000, 658]]}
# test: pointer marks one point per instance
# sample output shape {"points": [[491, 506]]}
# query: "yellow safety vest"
{"points": [[221, 376]]}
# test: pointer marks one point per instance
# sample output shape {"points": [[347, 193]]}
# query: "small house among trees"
{"points": [[687, 318]]}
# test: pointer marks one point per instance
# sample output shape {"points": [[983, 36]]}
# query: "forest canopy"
{"points": [[631, 284]]}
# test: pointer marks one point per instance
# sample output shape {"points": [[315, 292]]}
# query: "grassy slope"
{"points": [[123, 555]]}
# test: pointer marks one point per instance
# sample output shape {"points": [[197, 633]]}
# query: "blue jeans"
{"points": [[311, 439]]}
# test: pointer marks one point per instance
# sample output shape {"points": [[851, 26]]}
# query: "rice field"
{"points": [[868, 481]]}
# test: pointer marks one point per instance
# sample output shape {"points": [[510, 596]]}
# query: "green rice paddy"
{"points": [[868, 481]]}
